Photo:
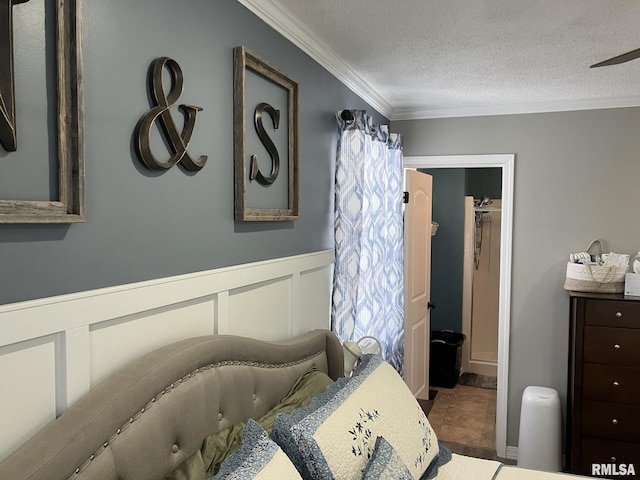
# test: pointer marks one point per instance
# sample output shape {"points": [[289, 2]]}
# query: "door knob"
{"points": [[431, 306]]}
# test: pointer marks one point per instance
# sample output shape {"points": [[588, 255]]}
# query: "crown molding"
{"points": [[283, 23], [454, 111]]}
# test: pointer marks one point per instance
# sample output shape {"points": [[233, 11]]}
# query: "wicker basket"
{"points": [[594, 278]]}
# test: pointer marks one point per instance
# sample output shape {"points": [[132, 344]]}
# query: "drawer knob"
{"points": [[617, 346], [616, 384], [618, 314], [614, 421]]}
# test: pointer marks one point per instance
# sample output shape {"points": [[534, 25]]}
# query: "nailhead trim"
{"points": [[179, 382]]}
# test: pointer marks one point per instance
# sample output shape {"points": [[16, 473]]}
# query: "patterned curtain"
{"points": [[368, 296]]}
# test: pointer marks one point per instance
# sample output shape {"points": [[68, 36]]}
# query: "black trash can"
{"points": [[445, 358]]}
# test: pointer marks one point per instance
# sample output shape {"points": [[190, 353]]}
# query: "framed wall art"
{"points": [[64, 114], [265, 131]]}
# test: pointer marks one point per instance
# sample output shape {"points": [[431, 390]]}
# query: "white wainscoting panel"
{"points": [[27, 390], [313, 300], [115, 343], [262, 310], [53, 350]]}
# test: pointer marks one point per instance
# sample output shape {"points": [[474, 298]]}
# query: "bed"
{"points": [[150, 419]]}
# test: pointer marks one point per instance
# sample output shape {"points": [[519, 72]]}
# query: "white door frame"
{"points": [[506, 163]]}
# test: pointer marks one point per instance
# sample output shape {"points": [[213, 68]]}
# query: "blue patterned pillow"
{"points": [[257, 458], [385, 464], [335, 435]]}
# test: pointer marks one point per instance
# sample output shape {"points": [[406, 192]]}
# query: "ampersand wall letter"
{"points": [[178, 142]]}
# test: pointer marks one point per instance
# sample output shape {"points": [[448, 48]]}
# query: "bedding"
{"points": [[334, 436], [461, 466], [190, 406], [216, 447], [465, 467], [258, 458]]}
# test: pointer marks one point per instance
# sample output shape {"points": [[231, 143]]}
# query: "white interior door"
{"points": [[417, 257]]}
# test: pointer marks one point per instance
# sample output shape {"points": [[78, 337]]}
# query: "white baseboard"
{"points": [[512, 453]]}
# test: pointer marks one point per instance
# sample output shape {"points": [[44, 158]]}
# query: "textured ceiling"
{"points": [[435, 58]]}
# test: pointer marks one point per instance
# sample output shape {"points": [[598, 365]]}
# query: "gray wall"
{"points": [[142, 224], [576, 179]]}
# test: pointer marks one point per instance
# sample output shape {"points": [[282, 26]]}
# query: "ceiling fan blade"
{"points": [[625, 57]]}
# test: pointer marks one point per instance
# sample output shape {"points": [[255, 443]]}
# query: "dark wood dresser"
{"points": [[603, 394]]}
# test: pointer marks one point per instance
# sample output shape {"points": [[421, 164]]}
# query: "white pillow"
{"points": [[257, 458], [335, 435]]}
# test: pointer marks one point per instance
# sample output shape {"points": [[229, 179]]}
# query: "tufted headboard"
{"points": [[141, 422]]}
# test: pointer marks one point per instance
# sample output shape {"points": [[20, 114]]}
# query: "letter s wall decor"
{"points": [[265, 131]]}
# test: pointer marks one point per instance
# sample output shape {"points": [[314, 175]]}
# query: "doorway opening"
{"points": [[481, 286], [506, 163]]}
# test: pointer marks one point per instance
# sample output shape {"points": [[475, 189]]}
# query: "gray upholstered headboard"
{"points": [[142, 421]]}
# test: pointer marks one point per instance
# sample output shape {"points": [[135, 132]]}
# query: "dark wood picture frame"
{"points": [[68, 207], [246, 60]]}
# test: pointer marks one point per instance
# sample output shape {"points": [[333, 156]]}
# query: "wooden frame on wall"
{"points": [[68, 206], [247, 175]]}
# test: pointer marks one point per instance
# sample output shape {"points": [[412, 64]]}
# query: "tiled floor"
{"points": [[464, 419]]}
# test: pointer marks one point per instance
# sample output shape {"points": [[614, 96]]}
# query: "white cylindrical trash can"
{"points": [[540, 441]]}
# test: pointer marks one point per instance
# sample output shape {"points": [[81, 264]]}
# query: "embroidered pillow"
{"points": [[258, 457], [385, 464], [335, 435]]}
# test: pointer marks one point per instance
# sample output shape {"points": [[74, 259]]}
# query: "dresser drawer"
{"points": [[612, 313], [615, 421], [595, 450], [614, 346], [611, 383]]}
